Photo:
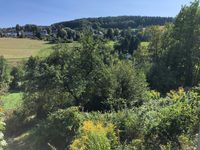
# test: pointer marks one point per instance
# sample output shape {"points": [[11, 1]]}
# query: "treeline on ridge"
{"points": [[121, 22]]}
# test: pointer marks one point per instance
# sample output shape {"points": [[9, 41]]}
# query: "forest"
{"points": [[136, 87], [120, 22]]}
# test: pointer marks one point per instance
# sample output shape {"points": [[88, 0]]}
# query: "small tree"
{"points": [[4, 75], [16, 78], [110, 34]]}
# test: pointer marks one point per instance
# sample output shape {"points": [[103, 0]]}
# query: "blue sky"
{"points": [[46, 12]]}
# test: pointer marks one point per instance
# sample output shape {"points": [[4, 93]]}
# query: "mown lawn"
{"points": [[15, 50]]}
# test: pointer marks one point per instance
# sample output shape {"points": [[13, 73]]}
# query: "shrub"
{"points": [[4, 75], [127, 123], [3, 143], [60, 128], [95, 136], [168, 118]]}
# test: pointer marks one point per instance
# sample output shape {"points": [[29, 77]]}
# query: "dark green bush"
{"points": [[60, 128]]}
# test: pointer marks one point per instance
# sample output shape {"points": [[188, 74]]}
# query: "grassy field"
{"points": [[11, 101], [15, 50]]}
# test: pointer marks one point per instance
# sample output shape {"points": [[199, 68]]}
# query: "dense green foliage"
{"points": [[128, 44], [16, 78], [83, 77], [109, 27], [176, 52], [4, 75], [171, 121], [96, 96], [2, 128], [121, 22]]}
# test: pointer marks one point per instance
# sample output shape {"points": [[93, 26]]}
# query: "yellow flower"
{"points": [[96, 128], [1, 110]]}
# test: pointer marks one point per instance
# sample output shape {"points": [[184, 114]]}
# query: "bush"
{"points": [[16, 79], [60, 128], [130, 87], [89, 76], [17, 122], [159, 122], [165, 119], [2, 128], [4, 75], [95, 136]]}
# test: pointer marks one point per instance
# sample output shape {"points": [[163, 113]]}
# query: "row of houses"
{"points": [[13, 33]]}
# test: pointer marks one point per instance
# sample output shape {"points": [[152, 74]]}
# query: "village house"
{"points": [[44, 33], [28, 34], [11, 34]]}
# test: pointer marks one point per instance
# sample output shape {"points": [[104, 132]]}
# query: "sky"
{"points": [[47, 12]]}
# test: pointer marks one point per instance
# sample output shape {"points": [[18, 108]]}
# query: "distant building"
{"points": [[28, 34], [44, 33], [98, 33], [11, 34]]}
